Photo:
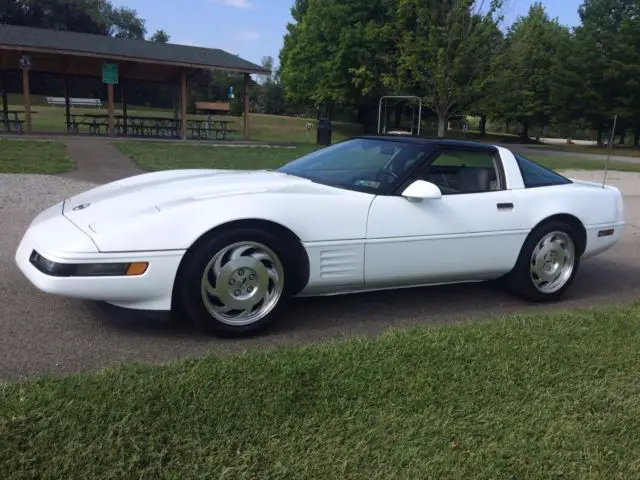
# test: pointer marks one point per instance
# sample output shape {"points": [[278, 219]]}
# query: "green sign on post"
{"points": [[110, 73]]}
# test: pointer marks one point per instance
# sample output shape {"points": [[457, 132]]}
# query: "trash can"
{"points": [[324, 132]]}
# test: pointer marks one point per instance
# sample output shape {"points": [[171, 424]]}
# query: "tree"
{"points": [[529, 87], [443, 49], [298, 11], [312, 56], [609, 50], [267, 64], [273, 98], [125, 23], [85, 16], [340, 53], [484, 97], [268, 95], [160, 36]]}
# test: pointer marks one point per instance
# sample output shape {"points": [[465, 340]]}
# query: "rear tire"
{"points": [[547, 264], [235, 283]]}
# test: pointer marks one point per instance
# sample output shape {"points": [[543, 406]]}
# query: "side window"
{"points": [[535, 175], [463, 171]]}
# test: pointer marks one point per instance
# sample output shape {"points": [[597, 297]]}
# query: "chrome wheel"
{"points": [[242, 283], [552, 262]]}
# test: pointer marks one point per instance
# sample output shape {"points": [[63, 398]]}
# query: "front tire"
{"points": [[233, 283], [547, 264]]}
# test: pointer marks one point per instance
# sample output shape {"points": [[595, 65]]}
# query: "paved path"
{"points": [[98, 161]]}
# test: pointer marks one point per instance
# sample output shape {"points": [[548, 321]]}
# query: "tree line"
{"points": [[455, 54], [85, 16], [460, 59]]}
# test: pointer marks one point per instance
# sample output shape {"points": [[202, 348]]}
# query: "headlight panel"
{"points": [[104, 269]]}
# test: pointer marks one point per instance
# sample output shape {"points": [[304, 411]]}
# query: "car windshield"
{"points": [[361, 164]]}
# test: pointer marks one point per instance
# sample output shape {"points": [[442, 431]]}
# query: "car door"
{"points": [[473, 232]]}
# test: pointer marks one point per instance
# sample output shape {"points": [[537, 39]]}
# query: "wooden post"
{"points": [[27, 99], [3, 90], [67, 102], [124, 109], [246, 106], [110, 106], [5, 100], [183, 105]]}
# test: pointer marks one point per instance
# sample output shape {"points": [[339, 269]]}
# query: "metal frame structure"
{"points": [[384, 99], [611, 140]]}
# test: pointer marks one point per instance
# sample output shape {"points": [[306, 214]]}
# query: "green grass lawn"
{"points": [[620, 150], [152, 156], [577, 163], [552, 395], [161, 156], [31, 156], [48, 119]]}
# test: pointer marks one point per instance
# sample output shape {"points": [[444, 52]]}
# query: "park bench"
{"points": [[74, 102], [213, 108]]}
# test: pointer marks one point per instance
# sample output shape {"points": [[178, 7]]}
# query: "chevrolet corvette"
{"points": [[231, 247]]}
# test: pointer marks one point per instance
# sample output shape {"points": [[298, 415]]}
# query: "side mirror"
{"points": [[421, 190]]}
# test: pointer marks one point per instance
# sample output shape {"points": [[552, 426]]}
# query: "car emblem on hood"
{"points": [[81, 207]]}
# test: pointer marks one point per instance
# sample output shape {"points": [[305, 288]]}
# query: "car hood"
{"points": [[120, 201]]}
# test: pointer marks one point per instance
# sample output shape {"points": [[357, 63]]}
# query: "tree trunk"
{"points": [[443, 118], [483, 125], [525, 130], [600, 135]]}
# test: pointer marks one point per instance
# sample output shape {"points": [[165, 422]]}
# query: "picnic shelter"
{"points": [[26, 50]]}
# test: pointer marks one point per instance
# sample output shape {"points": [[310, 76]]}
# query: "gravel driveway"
{"points": [[41, 333]]}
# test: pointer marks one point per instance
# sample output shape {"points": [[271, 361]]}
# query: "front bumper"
{"points": [[61, 247]]}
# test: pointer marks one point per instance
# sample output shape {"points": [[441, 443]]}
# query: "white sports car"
{"points": [[229, 247]]}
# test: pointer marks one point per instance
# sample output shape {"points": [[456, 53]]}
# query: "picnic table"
{"points": [[95, 122], [150, 126], [13, 123], [203, 128]]}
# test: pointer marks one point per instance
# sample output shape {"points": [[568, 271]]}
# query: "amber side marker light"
{"points": [[137, 268], [606, 233]]}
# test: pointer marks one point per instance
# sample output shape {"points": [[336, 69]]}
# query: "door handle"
{"points": [[505, 206]]}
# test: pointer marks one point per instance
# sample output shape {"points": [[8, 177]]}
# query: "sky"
{"points": [[253, 29]]}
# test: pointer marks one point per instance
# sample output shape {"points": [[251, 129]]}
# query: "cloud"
{"points": [[248, 36], [234, 3]]}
